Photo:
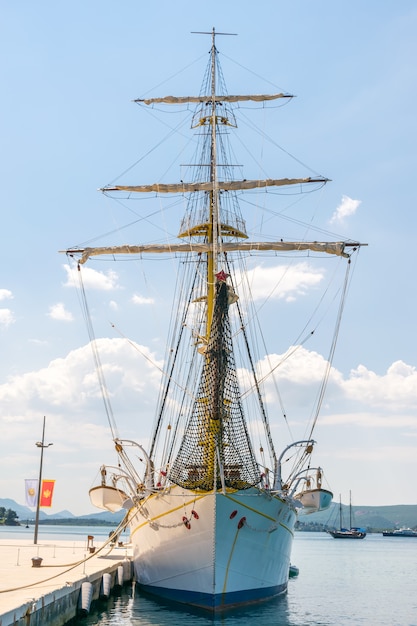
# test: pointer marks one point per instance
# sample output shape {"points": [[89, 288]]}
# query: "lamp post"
{"points": [[41, 445]]}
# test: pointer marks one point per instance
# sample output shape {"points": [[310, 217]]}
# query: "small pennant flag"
{"points": [[47, 493], [31, 491]]}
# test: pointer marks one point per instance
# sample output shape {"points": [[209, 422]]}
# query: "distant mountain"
{"points": [[24, 513], [62, 514], [105, 516], [94, 519]]}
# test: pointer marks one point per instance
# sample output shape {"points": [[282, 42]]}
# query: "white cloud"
{"points": [[394, 390], [346, 208], [373, 416], [6, 318], [364, 399], [73, 382], [282, 281], [38, 342], [136, 299], [92, 279], [6, 315], [6, 294], [401, 454], [297, 365], [58, 312], [368, 419]]}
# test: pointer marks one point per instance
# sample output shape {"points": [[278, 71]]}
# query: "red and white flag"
{"points": [[47, 493]]}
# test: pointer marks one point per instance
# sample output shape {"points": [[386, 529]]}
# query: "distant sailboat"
{"points": [[353, 532]]}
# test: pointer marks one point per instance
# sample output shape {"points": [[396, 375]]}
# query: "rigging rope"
{"points": [[70, 566], [332, 348], [145, 356], [169, 375], [97, 360], [256, 381]]}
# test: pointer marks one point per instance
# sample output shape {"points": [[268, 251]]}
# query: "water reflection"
{"points": [[134, 608]]}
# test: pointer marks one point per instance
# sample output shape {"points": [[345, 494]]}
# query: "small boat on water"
{"points": [[210, 505], [353, 532], [402, 532]]}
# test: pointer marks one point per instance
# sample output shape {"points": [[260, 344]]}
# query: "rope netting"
{"points": [[216, 449]]}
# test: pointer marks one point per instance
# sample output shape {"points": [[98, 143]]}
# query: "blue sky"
{"points": [[69, 72]]}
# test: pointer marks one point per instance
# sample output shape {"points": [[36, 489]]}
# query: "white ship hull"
{"points": [[213, 550]]}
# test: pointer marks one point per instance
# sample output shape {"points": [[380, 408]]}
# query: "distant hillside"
{"points": [[25, 513], [94, 519], [371, 517]]}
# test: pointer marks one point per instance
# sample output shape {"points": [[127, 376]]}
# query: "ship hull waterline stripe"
{"points": [[215, 602]]}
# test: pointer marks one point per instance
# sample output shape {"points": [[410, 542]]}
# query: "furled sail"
{"points": [[228, 185], [197, 99], [330, 247]]}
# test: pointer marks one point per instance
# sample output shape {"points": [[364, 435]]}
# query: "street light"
{"points": [[41, 445]]}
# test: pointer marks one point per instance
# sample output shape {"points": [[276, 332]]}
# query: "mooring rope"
{"points": [[71, 566]]}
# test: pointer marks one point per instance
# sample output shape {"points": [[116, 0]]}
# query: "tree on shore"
{"points": [[8, 517]]}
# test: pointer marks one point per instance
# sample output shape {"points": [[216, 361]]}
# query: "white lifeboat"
{"points": [[107, 498], [314, 500]]}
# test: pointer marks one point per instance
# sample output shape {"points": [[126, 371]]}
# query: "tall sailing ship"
{"points": [[211, 515]]}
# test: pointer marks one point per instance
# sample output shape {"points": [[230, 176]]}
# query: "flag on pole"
{"points": [[31, 491], [47, 492]]}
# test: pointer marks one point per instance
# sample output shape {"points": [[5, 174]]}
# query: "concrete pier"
{"points": [[40, 585]]}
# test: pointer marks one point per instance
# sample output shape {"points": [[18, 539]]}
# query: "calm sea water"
{"points": [[370, 582], [49, 533]]}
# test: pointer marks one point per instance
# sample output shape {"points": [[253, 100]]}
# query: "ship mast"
{"points": [[212, 420], [213, 232]]}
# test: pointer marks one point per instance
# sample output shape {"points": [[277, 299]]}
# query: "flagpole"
{"points": [[41, 445]]}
